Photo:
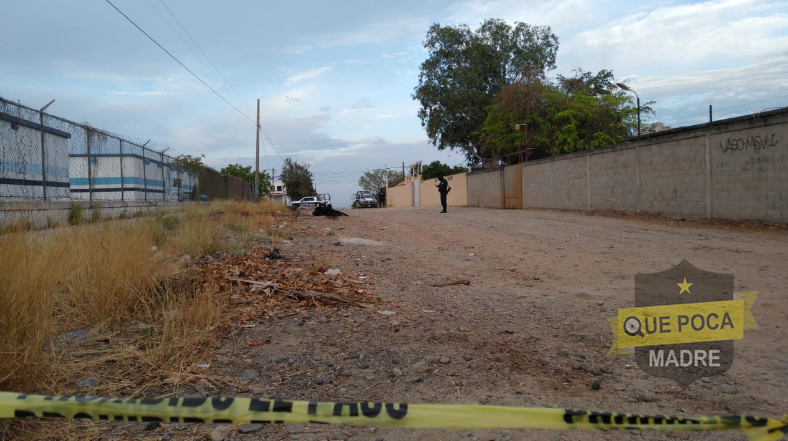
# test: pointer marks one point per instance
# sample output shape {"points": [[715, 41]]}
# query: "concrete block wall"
{"points": [[538, 185], [570, 183], [732, 169], [46, 214], [673, 177], [613, 183], [492, 189], [749, 172]]}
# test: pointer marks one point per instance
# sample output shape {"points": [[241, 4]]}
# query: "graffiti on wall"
{"points": [[755, 143]]}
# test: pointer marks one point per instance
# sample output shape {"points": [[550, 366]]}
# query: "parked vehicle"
{"points": [[363, 199], [309, 201]]}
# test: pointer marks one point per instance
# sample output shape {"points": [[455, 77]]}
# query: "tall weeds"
{"points": [[30, 277], [100, 275]]}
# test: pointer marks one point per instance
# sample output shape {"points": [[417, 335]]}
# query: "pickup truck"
{"points": [[363, 199], [309, 201], [321, 200]]}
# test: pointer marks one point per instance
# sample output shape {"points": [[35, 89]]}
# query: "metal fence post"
{"points": [[122, 189], [144, 174], [163, 184], [43, 158], [90, 167]]}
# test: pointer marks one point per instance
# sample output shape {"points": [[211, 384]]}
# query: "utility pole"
{"points": [[403, 169], [257, 157], [386, 190]]}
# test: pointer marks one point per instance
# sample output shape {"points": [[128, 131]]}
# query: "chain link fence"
{"points": [[45, 157]]}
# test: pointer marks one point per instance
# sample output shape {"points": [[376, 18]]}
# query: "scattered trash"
{"points": [[333, 272], [575, 236], [270, 288], [387, 313], [338, 244], [429, 311], [273, 254]]}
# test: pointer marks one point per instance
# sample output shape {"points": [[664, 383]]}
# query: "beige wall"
{"points": [[458, 196], [485, 189], [400, 196], [513, 186], [734, 169], [474, 189]]}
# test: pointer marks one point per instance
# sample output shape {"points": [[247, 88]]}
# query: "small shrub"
{"points": [[95, 214], [75, 213]]}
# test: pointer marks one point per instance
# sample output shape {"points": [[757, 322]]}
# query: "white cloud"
{"points": [[293, 79], [684, 99], [677, 38], [379, 32]]}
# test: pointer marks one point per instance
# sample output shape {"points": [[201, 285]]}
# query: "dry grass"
{"points": [[29, 281], [101, 276]]}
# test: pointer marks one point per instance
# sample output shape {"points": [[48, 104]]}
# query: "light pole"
{"points": [[628, 89]]}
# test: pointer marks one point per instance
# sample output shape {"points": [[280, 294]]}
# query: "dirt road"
{"points": [[529, 330]]}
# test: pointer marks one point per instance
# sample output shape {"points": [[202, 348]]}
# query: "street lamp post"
{"points": [[628, 89]]}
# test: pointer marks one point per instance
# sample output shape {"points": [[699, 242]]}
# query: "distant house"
{"points": [[278, 192]]}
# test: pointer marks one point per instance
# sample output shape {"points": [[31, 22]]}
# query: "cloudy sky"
{"points": [[335, 78]]}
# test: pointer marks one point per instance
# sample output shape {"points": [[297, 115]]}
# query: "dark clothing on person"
{"points": [[443, 189]]}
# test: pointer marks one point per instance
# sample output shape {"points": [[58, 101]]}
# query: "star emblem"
{"points": [[684, 287]]}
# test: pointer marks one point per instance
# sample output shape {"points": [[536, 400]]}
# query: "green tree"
{"points": [[297, 179], [437, 168], [189, 162], [374, 180], [247, 175], [575, 113], [466, 69]]}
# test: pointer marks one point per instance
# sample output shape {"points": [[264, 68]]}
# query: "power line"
{"points": [[204, 55], [179, 62], [271, 142], [180, 37]]}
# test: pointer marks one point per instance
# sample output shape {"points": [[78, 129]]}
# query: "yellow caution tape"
{"points": [[414, 416]]}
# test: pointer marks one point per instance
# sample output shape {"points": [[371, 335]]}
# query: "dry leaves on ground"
{"points": [[257, 287]]}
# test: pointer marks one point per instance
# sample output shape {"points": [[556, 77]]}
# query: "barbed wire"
{"points": [[46, 157]]}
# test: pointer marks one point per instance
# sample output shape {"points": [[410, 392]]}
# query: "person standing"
{"points": [[443, 189]]}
